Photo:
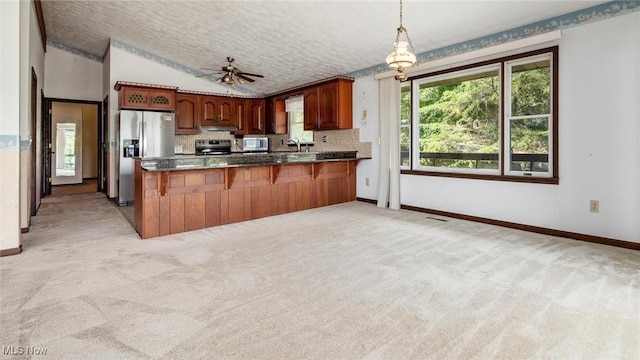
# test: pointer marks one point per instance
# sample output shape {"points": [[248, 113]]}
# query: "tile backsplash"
{"points": [[336, 140]]}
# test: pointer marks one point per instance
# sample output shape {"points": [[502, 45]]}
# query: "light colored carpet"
{"points": [[342, 282]]}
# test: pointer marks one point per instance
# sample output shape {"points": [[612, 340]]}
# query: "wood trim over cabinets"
{"points": [[530, 228]]}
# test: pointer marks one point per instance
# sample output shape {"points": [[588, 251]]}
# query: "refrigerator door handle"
{"points": [[143, 139]]}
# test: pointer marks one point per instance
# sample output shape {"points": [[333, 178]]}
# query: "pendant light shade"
{"points": [[403, 55]]}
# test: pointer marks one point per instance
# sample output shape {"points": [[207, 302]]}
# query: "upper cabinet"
{"points": [[255, 117], [328, 106], [187, 114], [136, 97], [250, 114], [218, 110], [275, 116]]}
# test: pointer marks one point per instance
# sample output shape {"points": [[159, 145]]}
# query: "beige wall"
{"points": [[21, 50], [89, 141]]}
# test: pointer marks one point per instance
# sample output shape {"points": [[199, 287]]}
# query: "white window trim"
{"points": [[507, 118], [415, 122]]}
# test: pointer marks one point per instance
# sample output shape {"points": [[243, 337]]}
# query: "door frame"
{"points": [[45, 135], [103, 131], [33, 142], [47, 107]]}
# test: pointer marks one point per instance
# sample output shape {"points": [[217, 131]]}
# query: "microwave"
{"points": [[255, 144]]}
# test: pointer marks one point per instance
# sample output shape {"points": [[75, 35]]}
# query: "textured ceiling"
{"points": [[289, 42]]}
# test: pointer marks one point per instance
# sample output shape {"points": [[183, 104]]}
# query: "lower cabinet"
{"points": [[170, 202]]}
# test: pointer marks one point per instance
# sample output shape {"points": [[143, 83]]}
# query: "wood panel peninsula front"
{"points": [[174, 195]]}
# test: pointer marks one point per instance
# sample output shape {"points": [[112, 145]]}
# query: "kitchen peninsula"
{"points": [[184, 193]]}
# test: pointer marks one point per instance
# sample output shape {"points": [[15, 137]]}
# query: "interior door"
{"points": [[66, 143]]}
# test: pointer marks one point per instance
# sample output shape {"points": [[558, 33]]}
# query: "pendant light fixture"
{"points": [[403, 54]]}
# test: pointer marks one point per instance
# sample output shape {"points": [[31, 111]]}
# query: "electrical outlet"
{"points": [[366, 181], [594, 206], [281, 141], [324, 138]]}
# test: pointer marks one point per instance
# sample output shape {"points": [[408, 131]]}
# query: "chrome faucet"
{"points": [[294, 141]]}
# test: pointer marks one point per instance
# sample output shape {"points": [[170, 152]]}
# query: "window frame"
{"points": [[508, 118], [415, 131], [409, 126], [504, 173]]}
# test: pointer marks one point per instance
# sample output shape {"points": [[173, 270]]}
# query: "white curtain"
{"points": [[389, 191]]}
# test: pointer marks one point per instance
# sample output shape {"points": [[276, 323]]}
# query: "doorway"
{"points": [[74, 138], [66, 143]]}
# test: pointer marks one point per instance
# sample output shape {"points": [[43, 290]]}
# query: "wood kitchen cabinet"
{"points": [[250, 114], [241, 106], [187, 114], [255, 116], [175, 201], [328, 106], [145, 98], [275, 116], [218, 110]]}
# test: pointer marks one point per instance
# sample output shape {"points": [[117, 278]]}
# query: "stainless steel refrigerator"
{"points": [[142, 134]]}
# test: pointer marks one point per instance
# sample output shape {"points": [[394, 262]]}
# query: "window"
{"points": [[405, 127], [529, 116], [294, 106], [493, 120]]}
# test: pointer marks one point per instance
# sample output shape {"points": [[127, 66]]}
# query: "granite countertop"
{"points": [[193, 162]]}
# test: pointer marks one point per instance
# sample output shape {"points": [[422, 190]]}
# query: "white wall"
{"points": [[71, 76], [9, 125], [124, 66], [110, 142], [37, 62], [365, 97], [599, 155]]}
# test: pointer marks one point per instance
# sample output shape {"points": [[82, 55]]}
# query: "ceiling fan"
{"points": [[230, 74]]}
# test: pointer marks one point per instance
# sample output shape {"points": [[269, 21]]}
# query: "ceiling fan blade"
{"points": [[241, 76], [248, 74], [203, 75]]}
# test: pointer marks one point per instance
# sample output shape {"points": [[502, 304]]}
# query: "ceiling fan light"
{"points": [[401, 57]]}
